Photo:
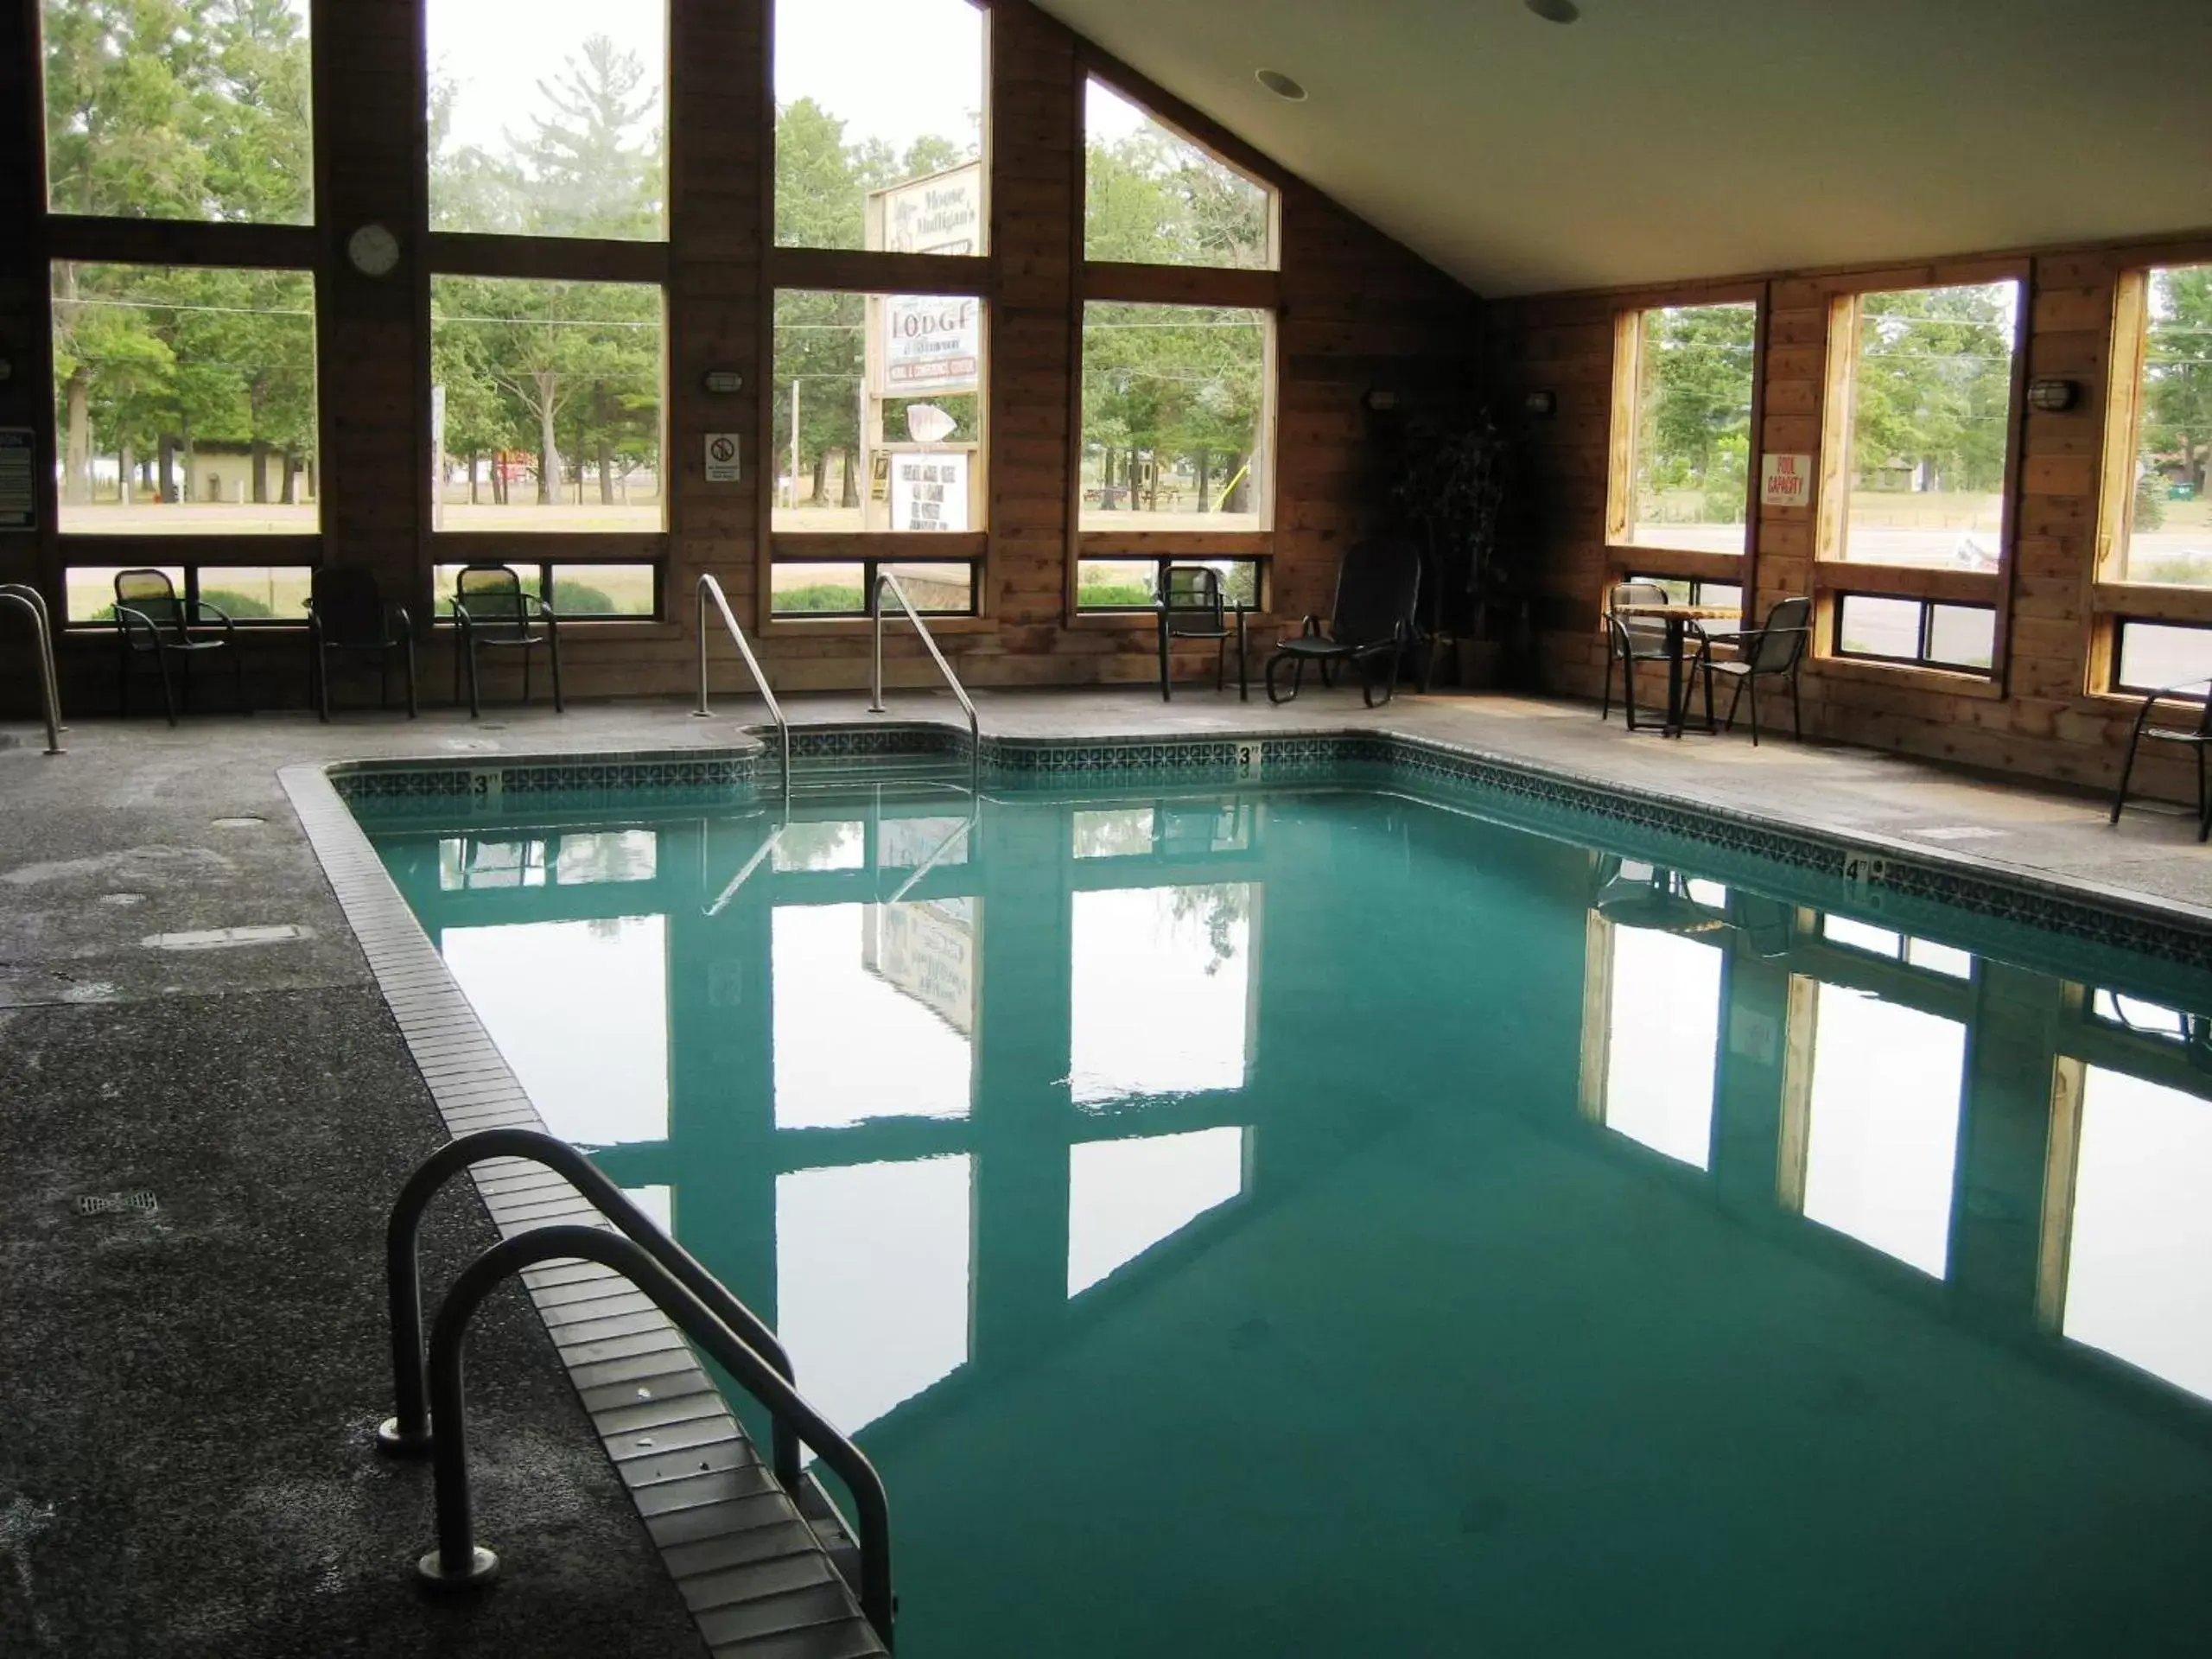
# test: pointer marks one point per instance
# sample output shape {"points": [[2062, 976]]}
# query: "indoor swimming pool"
{"points": [[1320, 1218]]}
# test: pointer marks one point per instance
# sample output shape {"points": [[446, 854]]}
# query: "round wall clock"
{"points": [[373, 250]]}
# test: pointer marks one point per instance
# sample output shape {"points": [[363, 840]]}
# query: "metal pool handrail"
{"points": [[884, 579], [49, 686], [459, 1562], [412, 1429], [708, 587]]}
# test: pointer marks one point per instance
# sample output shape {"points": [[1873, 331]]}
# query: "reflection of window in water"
{"points": [[837, 844], [1947, 960], [579, 1010], [657, 1202], [1114, 832], [2138, 1260], [1161, 988], [1124, 1196], [906, 843], [571, 861], [1662, 1032], [861, 1025], [2145, 1019], [1882, 1137], [871, 1281]]}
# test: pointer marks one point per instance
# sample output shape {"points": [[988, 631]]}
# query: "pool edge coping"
{"points": [[629, 1340]]}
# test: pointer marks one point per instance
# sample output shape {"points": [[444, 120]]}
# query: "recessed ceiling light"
{"points": [[1554, 11], [1283, 85]]}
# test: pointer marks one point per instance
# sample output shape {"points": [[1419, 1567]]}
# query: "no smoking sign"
{"points": [[722, 458]]}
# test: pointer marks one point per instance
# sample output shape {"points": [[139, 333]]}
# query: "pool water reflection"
{"points": [[1327, 1223]]}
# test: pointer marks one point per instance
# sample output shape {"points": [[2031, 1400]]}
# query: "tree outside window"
{"points": [[1931, 426], [1691, 464], [179, 109], [2169, 537], [1175, 417]]}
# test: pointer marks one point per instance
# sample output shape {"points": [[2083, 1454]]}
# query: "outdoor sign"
{"points": [[1785, 480], [932, 343], [942, 213], [18, 474], [929, 492], [722, 466], [926, 951]]}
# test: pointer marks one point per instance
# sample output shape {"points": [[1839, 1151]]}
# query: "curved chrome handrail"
{"points": [[49, 685], [708, 586], [884, 579], [459, 1562]]}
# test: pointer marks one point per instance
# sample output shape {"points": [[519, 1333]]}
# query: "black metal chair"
{"points": [[1192, 605], [150, 620], [1775, 651], [492, 608], [2197, 737], [1633, 639], [348, 611], [1378, 586]]}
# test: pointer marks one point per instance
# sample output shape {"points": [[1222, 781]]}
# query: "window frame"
{"points": [[2117, 623], [1625, 418], [189, 589], [876, 275], [1924, 660], [547, 571], [1208, 286], [553, 260], [1833, 577], [1161, 561]]}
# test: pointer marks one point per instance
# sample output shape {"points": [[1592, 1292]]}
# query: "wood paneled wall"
{"points": [[1356, 311], [2044, 712]]}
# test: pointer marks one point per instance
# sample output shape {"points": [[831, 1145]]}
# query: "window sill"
{"points": [[1148, 621], [1695, 564], [1950, 681], [1938, 582]]}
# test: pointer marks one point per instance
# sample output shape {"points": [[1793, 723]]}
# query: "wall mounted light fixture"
{"points": [[723, 382], [2052, 395], [1380, 397], [1543, 404]]}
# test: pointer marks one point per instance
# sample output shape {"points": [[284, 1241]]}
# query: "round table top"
{"points": [[1687, 613]]}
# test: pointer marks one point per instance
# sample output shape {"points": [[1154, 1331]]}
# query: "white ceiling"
{"points": [[1659, 139]]}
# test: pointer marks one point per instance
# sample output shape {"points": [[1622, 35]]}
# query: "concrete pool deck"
{"points": [[192, 1386]]}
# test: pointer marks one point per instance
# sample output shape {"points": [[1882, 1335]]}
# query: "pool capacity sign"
{"points": [[1785, 480]]}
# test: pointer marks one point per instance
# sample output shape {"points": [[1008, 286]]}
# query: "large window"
{"points": [[179, 109], [547, 118], [2166, 534], [184, 400], [879, 123], [1889, 630], [1175, 417], [1684, 479], [1929, 426], [1152, 197], [546, 404]]}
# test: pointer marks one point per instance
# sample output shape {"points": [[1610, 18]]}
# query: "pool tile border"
{"points": [[700, 1490]]}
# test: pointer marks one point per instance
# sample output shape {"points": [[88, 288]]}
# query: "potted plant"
{"points": [[1449, 486]]}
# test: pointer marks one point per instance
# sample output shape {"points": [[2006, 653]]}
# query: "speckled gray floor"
{"points": [[187, 1393]]}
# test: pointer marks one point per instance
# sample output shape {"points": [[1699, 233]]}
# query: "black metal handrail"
{"points": [[459, 1561], [410, 1431]]}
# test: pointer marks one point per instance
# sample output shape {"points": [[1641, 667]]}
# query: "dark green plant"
{"points": [[1449, 487]]}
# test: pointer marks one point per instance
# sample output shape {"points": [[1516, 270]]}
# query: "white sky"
{"points": [[890, 69]]}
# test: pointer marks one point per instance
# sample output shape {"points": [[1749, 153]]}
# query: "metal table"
{"points": [[1677, 618]]}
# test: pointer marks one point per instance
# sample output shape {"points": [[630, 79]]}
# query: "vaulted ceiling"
{"points": [[1663, 139]]}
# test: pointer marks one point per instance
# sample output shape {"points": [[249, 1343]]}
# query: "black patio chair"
{"points": [[2195, 737], [1633, 639], [151, 622], [492, 608], [1775, 651], [348, 611], [1379, 586], [1192, 605]]}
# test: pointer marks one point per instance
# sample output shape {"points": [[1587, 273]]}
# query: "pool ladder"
{"points": [[430, 1411], [32, 603], [885, 582], [711, 590]]}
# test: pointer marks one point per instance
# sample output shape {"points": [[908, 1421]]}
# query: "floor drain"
{"points": [[113, 1204], [243, 821]]}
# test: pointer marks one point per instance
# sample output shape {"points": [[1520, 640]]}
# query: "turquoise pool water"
{"points": [[1315, 1220]]}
